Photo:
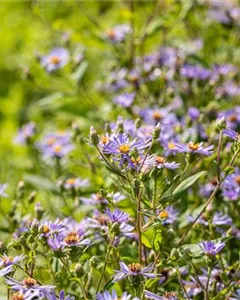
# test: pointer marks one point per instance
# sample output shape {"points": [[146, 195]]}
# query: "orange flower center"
{"points": [[102, 220], [7, 260], [163, 214], [135, 267], [104, 140], [46, 229], [232, 118], [160, 160], [55, 60], [193, 146], [111, 33], [238, 179], [17, 296], [157, 116], [124, 148], [29, 282], [168, 295], [71, 238], [51, 141]]}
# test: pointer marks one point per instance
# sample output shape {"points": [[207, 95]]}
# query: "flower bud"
{"points": [[39, 211], [115, 228], [79, 270], [174, 255], [157, 131], [138, 123], [94, 136], [31, 239], [222, 124], [3, 248], [35, 225], [32, 197]]}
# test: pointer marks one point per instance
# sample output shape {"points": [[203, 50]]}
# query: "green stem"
{"points": [[105, 265]]}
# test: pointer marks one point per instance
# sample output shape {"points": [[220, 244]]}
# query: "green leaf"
{"points": [[40, 182], [153, 27], [81, 70], [152, 237], [108, 285], [185, 184]]}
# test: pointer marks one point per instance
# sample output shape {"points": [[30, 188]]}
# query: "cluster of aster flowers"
{"points": [[146, 206]]}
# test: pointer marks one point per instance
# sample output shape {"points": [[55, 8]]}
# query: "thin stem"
{"points": [[79, 280], [181, 283], [207, 284], [105, 265], [107, 162], [218, 156], [139, 225]]}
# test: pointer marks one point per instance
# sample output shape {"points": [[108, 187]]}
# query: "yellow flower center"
{"points": [[163, 214], [157, 115], [193, 146], [71, 181], [29, 282], [160, 160], [171, 145], [124, 148], [57, 148], [71, 238], [136, 161], [54, 60], [7, 260], [135, 267]]}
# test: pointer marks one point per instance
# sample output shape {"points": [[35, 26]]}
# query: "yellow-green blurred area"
{"points": [[31, 29]]}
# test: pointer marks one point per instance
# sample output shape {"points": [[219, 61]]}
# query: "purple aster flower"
{"points": [[55, 242], [55, 60], [75, 183], [125, 100], [56, 145], [194, 148], [117, 216], [7, 263], [211, 247], [231, 186], [192, 287], [26, 295], [235, 296], [62, 296], [166, 296], [30, 285], [232, 134], [3, 187], [156, 115], [168, 215], [118, 33], [220, 219], [160, 162], [134, 269], [50, 228], [121, 147], [232, 117], [113, 296], [229, 89], [208, 188], [193, 113], [194, 71], [25, 133]]}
